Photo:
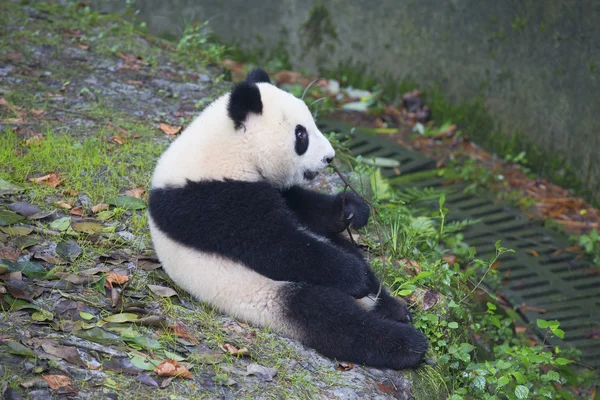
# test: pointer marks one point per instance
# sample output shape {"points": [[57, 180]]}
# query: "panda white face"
{"points": [[255, 132], [289, 148]]}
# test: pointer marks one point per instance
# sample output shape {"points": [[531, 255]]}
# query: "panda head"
{"points": [[285, 145]]}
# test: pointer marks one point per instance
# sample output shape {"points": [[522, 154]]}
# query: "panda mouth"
{"points": [[310, 175]]}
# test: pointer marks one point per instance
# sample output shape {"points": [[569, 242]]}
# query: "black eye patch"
{"points": [[301, 140]]}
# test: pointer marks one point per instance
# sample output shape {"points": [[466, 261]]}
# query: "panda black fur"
{"points": [[233, 226]]}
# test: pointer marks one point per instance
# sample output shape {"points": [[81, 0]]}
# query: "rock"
{"points": [[4, 71]]}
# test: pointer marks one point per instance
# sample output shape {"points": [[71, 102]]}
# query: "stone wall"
{"points": [[536, 63]]}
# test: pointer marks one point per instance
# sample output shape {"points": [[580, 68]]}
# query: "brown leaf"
{"points": [[19, 289], [9, 252], [525, 307], [115, 278], [168, 129], [72, 33], [118, 139], [131, 62], [148, 265], [430, 299], [593, 334], [520, 329], [99, 207], [35, 140], [172, 368], [57, 381], [138, 193], [450, 259], [162, 291], [37, 111], [63, 204], [181, 331], [68, 353], [569, 249], [69, 192], [77, 211], [411, 266], [234, 351], [51, 180], [345, 366], [533, 252], [587, 271]]}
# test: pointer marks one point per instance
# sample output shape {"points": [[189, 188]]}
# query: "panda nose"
{"points": [[327, 160]]}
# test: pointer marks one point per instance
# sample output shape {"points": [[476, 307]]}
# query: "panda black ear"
{"points": [[244, 99], [258, 75]]}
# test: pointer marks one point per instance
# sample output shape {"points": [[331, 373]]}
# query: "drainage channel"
{"points": [[540, 279]]}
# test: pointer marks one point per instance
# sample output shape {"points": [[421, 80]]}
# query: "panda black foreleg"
{"points": [[327, 214], [331, 322], [387, 305]]}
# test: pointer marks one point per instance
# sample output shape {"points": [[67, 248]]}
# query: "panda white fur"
{"points": [[232, 225]]}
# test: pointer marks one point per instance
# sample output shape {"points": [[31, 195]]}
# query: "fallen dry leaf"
{"points": [[520, 329], [9, 252], [450, 259], [34, 140], [118, 139], [181, 331], [57, 381], [63, 204], [172, 368], [69, 192], [430, 299], [533, 252], [99, 207], [138, 193], [131, 62], [77, 211], [345, 366], [525, 307], [168, 129], [234, 351], [51, 180], [37, 111], [162, 291], [593, 333], [115, 278], [569, 249]]}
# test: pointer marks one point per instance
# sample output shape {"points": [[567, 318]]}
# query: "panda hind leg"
{"points": [[331, 322], [387, 305]]}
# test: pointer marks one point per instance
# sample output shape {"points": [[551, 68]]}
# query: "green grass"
{"points": [[92, 166]]}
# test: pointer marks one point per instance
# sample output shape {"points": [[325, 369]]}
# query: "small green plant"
{"points": [[591, 244], [197, 46]]}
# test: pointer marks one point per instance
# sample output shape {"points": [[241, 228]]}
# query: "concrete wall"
{"points": [[535, 62]]}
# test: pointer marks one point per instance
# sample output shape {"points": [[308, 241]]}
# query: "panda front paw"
{"points": [[355, 211], [393, 308]]}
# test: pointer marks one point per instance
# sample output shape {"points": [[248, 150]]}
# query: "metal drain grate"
{"points": [[369, 145], [553, 285]]}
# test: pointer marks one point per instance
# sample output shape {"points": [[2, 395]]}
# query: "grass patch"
{"points": [[92, 166], [472, 336]]}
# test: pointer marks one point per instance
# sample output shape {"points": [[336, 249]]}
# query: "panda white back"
{"points": [[227, 205]]}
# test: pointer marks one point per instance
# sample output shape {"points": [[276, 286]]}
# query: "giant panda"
{"points": [[233, 225]]}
